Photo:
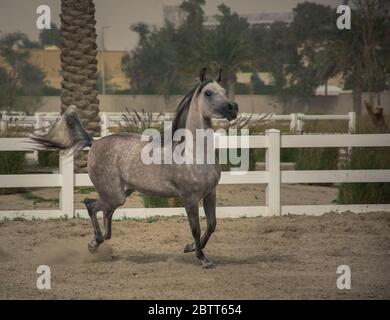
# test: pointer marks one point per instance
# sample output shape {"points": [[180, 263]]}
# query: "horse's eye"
{"points": [[208, 93]]}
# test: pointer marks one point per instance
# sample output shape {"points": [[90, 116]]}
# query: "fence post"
{"points": [[67, 192], [38, 124], [38, 121], [104, 124], [300, 123], [346, 153], [272, 165], [293, 122], [352, 122]]}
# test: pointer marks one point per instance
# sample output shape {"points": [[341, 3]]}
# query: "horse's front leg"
{"points": [[107, 220], [192, 208], [209, 205]]}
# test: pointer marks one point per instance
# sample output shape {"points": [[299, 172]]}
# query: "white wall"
{"points": [[341, 104]]}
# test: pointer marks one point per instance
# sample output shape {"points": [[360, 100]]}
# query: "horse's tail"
{"points": [[67, 134]]}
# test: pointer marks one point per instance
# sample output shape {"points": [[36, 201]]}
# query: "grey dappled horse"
{"points": [[116, 169]]}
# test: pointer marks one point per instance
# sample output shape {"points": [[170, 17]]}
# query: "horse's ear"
{"points": [[202, 74], [219, 75]]}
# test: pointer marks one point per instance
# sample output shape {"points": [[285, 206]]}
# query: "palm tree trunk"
{"points": [[78, 61], [231, 88], [79, 64]]}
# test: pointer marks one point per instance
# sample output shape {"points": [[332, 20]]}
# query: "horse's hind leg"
{"points": [[209, 204], [192, 208], [93, 207], [107, 215]]}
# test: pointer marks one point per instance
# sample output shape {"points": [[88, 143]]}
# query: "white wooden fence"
{"points": [[273, 177], [42, 121]]}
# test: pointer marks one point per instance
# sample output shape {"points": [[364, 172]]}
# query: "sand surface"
{"points": [[255, 258]]}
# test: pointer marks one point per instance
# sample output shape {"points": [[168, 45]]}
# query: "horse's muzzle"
{"points": [[231, 110]]}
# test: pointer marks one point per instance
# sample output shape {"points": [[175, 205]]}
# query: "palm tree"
{"points": [[343, 55], [78, 61], [359, 54], [228, 46], [19, 75]]}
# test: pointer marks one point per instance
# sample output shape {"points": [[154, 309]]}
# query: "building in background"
{"points": [[262, 18], [49, 61], [176, 16]]}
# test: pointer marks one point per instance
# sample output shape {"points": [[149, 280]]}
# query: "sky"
{"points": [[20, 15]]}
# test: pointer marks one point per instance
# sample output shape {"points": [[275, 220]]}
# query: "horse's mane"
{"points": [[180, 118]]}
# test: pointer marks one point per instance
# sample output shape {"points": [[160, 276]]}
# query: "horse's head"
{"points": [[213, 101]]}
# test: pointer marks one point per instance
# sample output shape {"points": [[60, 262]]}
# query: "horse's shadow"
{"points": [[189, 258]]}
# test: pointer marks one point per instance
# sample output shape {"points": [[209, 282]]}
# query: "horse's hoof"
{"points": [[207, 264], [190, 247], [92, 246]]}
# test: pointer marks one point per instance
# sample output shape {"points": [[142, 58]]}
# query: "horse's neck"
{"points": [[195, 120]]}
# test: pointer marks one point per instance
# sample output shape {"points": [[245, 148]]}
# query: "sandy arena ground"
{"points": [[290, 257], [227, 195]]}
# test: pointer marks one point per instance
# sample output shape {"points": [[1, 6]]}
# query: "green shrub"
{"points": [[12, 162], [48, 158], [363, 193], [317, 159], [366, 193], [289, 154], [367, 158], [325, 126], [176, 202], [161, 202], [155, 202]]}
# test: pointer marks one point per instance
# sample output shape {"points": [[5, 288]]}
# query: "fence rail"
{"points": [[273, 177], [42, 121]]}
